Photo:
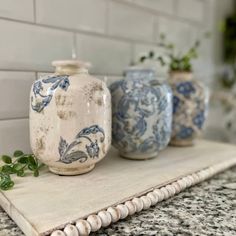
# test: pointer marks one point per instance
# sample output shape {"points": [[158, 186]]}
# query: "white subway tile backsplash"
{"points": [[133, 28], [128, 22], [166, 6], [177, 32], [19, 10], [14, 94], [73, 14], [14, 135], [30, 47], [191, 9], [107, 56]]}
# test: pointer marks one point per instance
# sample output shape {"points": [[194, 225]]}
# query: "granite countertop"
{"points": [[208, 208]]}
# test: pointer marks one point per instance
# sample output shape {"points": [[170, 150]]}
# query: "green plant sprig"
{"points": [[19, 164], [179, 61]]}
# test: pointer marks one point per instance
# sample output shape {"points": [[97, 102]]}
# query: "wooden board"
{"points": [[39, 205]]}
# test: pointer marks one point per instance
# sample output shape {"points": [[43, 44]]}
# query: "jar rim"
{"points": [[71, 63]]}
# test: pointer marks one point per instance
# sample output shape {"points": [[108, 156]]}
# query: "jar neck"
{"points": [[181, 76], [70, 70]]}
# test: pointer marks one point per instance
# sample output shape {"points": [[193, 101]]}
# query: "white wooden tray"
{"points": [[117, 186]]}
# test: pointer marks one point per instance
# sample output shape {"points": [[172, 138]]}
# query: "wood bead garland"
{"points": [[121, 211]]}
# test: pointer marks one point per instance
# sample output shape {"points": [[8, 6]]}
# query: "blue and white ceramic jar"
{"points": [[190, 102], [70, 119], [141, 115]]}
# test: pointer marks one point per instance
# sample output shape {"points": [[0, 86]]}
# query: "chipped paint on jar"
{"points": [[190, 105], [70, 119], [141, 115]]}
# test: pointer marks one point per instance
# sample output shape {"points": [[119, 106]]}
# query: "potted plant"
{"points": [[190, 97]]}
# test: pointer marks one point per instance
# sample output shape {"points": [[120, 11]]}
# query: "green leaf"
{"points": [[6, 169], [18, 153], [30, 167], [142, 59], [23, 160], [17, 167], [36, 173], [6, 184], [162, 36], [32, 162], [6, 159], [20, 173], [151, 54]]}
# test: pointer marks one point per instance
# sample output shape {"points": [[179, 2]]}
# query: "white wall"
{"points": [[109, 33]]}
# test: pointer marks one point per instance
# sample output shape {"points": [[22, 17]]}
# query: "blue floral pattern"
{"points": [[199, 119], [185, 132], [141, 114], [185, 88], [42, 97], [176, 103], [189, 109], [83, 147]]}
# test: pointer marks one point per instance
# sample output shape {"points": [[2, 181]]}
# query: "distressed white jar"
{"points": [[70, 119]]}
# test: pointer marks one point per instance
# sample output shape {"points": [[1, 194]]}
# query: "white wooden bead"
{"points": [[182, 184], [153, 197], [170, 189], [71, 230], [192, 180], [124, 212], [187, 181], [176, 186], [131, 207], [160, 194], [146, 202], [105, 218], [166, 193], [138, 204], [210, 171], [115, 214], [57, 233], [83, 227], [203, 174], [95, 222], [196, 178]]}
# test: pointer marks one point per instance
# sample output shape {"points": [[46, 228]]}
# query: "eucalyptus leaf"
{"points": [[19, 166], [18, 153], [23, 160], [21, 173], [8, 169], [36, 173], [6, 159], [6, 184]]}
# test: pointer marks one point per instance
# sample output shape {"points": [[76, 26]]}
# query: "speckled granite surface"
{"points": [[206, 209]]}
